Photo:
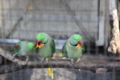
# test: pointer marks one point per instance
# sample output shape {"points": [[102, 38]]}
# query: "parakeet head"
{"points": [[42, 38], [30, 46], [76, 40]]}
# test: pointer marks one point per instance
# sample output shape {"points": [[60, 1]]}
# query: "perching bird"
{"points": [[73, 48], [45, 48], [24, 48]]}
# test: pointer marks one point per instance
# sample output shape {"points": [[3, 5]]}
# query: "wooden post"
{"points": [[100, 41], [114, 45]]}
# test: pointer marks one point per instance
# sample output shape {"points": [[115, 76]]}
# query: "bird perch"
{"points": [[56, 63]]}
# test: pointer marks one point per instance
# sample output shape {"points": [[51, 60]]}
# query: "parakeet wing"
{"points": [[64, 51], [52, 44], [16, 50], [83, 47]]}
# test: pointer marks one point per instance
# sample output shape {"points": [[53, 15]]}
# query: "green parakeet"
{"points": [[73, 48], [24, 48], [45, 48]]}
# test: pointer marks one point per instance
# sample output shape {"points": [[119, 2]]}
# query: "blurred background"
{"points": [[24, 19]]}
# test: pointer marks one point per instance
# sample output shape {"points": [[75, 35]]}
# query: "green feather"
{"points": [[76, 37], [64, 51], [49, 47], [69, 49], [52, 44], [83, 47], [30, 46], [41, 36], [17, 50], [24, 47]]}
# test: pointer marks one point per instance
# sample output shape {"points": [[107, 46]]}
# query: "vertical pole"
{"points": [[114, 45]]}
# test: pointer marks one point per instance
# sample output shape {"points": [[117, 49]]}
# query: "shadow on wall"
{"points": [[88, 75], [59, 74], [20, 75]]}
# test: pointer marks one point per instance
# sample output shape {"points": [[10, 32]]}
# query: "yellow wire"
{"points": [[79, 70], [50, 73]]}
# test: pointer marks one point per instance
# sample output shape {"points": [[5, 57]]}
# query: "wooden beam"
{"points": [[57, 63], [114, 45], [101, 25]]}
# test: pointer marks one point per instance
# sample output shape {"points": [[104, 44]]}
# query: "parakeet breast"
{"points": [[73, 52], [45, 51]]}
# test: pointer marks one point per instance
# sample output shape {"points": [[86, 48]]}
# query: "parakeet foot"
{"points": [[78, 60], [72, 61]]}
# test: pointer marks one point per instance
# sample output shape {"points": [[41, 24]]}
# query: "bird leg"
{"points": [[42, 59], [46, 60], [78, 60], [27, 59], [72, 61]]}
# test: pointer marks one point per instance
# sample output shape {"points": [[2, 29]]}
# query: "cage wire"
{"points": [[24, 19]]}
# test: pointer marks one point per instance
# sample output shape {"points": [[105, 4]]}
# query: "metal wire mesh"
{"points": [[24, 19]]}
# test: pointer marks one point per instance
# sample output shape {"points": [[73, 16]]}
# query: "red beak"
{"points": [[80, 42], [39, 42]]}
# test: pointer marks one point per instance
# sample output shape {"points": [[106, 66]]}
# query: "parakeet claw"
{"points": [[78, 60], [72, 61], [46, 60]]}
